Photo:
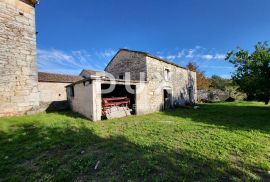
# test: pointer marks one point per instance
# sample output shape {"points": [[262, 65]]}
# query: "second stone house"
{"points": [[150, 83]]}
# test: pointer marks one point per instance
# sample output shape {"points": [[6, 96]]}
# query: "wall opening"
{"points": [[119, 92], [167, 99], [121, 76], [167, 74]]}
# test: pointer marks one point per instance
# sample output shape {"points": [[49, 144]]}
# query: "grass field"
{"points": [[218, 142]]}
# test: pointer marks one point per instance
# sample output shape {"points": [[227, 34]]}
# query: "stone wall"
{"points": [[124, 62], [178, 84], [50, 91], [52, 96], [18, 72], [213, 95]]}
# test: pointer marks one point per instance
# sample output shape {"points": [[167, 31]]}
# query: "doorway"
{"points": [[167, 99]]}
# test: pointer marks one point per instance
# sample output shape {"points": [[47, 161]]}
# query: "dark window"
{"points": [[72, 91], [121, 76], [182, 96]]}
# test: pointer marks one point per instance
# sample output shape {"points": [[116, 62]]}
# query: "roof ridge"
{"points": [[153, 56], [56, 77], [57, 73]]}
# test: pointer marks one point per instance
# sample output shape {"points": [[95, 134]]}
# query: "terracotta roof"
{"points": [[60, 78], [149, 55]]}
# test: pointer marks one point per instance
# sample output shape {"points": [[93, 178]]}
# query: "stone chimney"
{"points": [[18, 70]]}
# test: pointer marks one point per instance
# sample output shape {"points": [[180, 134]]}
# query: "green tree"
{"points": [[218, 82], [252, 71]]}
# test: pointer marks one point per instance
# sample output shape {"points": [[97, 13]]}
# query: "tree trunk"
{"points": [[266, 102]]}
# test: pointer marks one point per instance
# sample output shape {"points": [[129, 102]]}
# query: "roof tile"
{"points": [[61, 78]]}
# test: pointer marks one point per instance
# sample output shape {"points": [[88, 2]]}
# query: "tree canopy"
{"points": [[202, 81], [252, 71], [218, 82]]}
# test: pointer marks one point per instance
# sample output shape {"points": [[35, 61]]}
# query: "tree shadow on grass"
{"points": [[231, 117], [35, 153]]}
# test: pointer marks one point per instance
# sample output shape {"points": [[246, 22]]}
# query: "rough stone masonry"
{"points": [[18, 72]]}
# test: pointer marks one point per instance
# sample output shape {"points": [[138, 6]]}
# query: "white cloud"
{"points": [[213, 56], [71, 62], [53, 55], [171, 57], [190, 53], [180, 54], [210, 60], [207, 56], [220, 56], [61, 58], [108, 53], [196, 53]]}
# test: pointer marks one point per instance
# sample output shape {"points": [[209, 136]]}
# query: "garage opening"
{"points": [[119, 102]]}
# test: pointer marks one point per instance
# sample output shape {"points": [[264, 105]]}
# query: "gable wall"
{"points": [[126, 61]]}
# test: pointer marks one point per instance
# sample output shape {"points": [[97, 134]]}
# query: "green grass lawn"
{"points": [[218, 142]]}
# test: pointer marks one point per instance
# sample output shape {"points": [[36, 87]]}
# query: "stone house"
{"points": [[162, 76], [151, 83]]}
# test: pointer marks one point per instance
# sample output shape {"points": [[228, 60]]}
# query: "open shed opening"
{"points": [[117, 96]]}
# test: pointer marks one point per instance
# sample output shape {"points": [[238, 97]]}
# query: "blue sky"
{"points": [[87, 33]]}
